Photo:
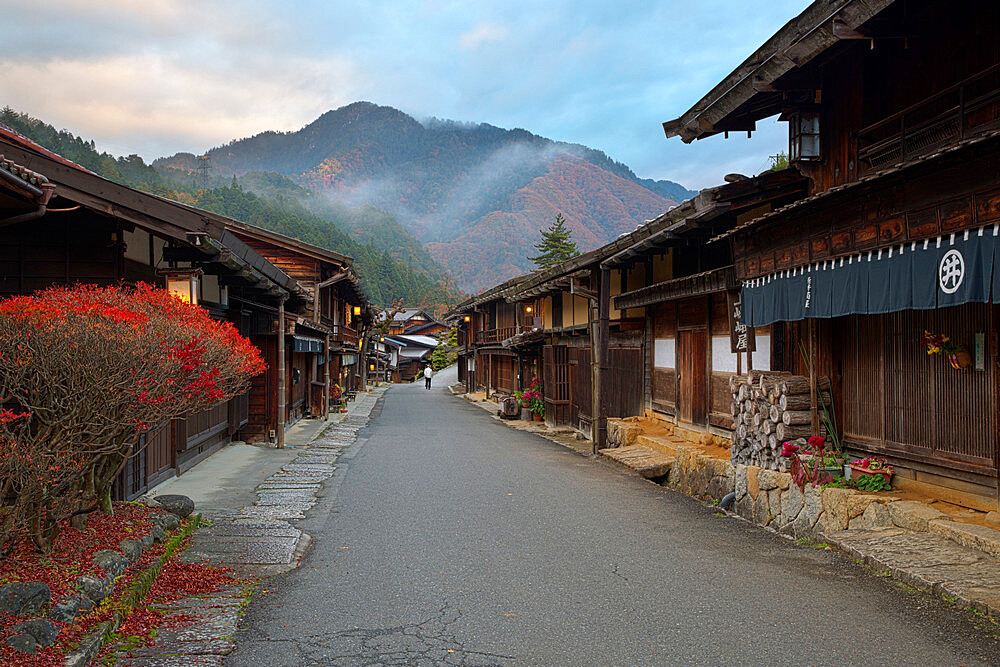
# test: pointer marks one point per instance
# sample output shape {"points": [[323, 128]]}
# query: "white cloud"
{"points": [[481, 34], [149, 104]]}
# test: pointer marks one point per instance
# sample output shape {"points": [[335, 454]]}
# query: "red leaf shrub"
{"points": [[88, 369]]}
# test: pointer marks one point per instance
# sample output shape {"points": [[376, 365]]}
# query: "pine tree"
{"points": [[556, 246]]}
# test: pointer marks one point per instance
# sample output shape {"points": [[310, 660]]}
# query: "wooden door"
{"points": [[691, 353]]}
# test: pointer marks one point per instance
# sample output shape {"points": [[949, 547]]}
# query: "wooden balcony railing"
{"points": [[344, 334], [497, 335], [961, 111]]}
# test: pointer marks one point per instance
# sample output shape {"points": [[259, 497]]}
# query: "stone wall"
{"points": [[768, 498]]}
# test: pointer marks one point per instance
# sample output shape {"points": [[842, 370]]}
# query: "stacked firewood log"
{"points": [[770, 408]]}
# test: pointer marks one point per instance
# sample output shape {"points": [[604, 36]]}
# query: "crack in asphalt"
{"points": [[429, 641]]}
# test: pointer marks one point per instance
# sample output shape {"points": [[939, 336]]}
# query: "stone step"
{"points": [[663, 444], [647, 462], [969, 535]]}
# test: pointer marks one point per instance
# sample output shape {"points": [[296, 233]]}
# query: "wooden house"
{"points": [[321, 336], [893, 110], [62, 224]]}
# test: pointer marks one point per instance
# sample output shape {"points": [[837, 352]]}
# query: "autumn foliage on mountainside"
{"points": [[84, 371]]}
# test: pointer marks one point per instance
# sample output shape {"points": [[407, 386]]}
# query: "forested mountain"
{"points": [[390, 268], [474, 195]]}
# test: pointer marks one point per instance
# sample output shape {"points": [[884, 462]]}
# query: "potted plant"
{"points": [[956, 354], [533, 399], [871, 466], [828, 459], [525, 411]]}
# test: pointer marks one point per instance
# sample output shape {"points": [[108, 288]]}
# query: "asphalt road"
{"points": [[447, 538]]}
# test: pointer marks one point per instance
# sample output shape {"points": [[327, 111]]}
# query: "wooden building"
{"points": [[62, 224], [322, 334], [894, 116], [685, 288]]}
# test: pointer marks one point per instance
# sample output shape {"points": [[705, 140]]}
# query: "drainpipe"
{"points": [[282, 387], [45, 191]]}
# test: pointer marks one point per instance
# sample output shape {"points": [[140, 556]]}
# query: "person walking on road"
{"points": [[428, 374]]}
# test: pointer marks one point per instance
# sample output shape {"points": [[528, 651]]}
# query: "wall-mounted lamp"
{"points": [[183, 283], [357, 310], [371, 367], [467, 318], [528, 309]]}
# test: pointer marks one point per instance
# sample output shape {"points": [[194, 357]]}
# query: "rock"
{"points": [[131, 549], [94, 588], [835, 506], [761, 512], [791, 503], [741, 482], [767, 480], [179, 505], [876, 515], [22, 643], [42, 629], [112, 562], [753, 488], [157, 533], [774, 502], [993, 517], [146, 541], [22, 598], [71, 608], [783, 479], [149, 502], [913, 514], [166, 521], [744, 507]]}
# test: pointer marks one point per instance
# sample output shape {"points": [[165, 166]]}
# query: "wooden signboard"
{"points": [[741, 337]]}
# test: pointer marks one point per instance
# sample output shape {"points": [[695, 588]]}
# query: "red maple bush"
{"points": [[84, 371]]}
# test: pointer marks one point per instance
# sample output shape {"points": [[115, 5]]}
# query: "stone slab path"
{"points": [[929, 562], [258, 540]]}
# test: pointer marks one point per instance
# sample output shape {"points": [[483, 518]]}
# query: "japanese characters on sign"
{"points": [[741, 337]]}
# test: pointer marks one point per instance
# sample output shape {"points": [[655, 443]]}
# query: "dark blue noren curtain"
{"points": [[937, 273]]}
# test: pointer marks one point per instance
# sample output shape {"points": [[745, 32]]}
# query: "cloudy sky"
{"points": [[155, 77]]}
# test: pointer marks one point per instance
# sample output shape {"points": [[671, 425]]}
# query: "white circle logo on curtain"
{"points": [[951, 271]]}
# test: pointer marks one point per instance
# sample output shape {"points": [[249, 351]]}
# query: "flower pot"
{"points": [[858, 472], [525, 414], [959, 360], [537, 417]]}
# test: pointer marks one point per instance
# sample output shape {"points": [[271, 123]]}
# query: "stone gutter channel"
{"points": [[906, 539], [258, 540]]}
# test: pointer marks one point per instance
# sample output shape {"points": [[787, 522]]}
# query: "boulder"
{"points": [[22, 643], [42, 629], [157, 533], [176, 504], [131, 549], [166, 521], [112, 562], [146, 541], [94, 588], [22, 598], [73, 607]]}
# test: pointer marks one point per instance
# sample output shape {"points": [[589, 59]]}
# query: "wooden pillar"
{"points": [[282, 387], [813, 408], [603, 335], [326, 379]]}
